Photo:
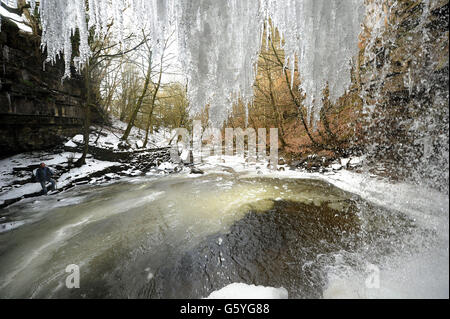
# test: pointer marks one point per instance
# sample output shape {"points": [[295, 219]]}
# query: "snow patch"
{"points": [[70, 144], [18, 20], [10, 226], [166, 166], [78, 139], [91, 166], [244, 291]]}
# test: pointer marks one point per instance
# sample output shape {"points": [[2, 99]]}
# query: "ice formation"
{"points": [[219, 40], [323, 34]]}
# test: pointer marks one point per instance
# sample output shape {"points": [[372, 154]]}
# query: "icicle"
{"points": [[246, 115], [220, 40]]}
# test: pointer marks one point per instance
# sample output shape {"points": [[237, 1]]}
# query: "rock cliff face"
{"points": [[403, 77], [37, 110]]}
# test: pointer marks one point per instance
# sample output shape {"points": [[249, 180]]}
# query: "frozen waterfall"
{"points": [[219, 40]]}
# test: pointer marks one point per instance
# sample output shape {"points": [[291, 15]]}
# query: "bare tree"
{"points": [[102, 52], [144, 91], [156, 89]]}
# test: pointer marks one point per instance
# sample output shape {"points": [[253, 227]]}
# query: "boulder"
{"points": [[197, 171]]}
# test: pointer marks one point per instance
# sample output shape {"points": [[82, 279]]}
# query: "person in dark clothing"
{"points": [[44, 175]]}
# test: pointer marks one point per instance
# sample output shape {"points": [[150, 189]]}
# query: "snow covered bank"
{"points": [[16, 171], [102, 165], [18, 20], [13, 191], [109, 138]]}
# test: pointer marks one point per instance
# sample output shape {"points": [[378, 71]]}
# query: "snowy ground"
{"points": [[109, 137], [16, 171]]}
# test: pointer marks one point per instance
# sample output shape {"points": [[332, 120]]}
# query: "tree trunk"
{"points": [[155, 93], [87, 118], [139, 103], [278, 118]]}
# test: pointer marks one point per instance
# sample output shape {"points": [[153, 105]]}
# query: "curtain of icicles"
{"points": [[219, 40]]}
